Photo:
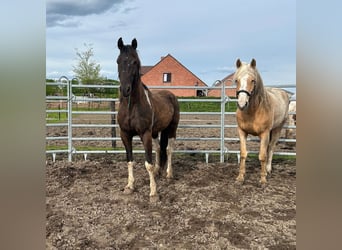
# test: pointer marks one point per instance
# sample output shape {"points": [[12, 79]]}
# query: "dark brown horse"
{"points": [[261, 112], [145, 114]]}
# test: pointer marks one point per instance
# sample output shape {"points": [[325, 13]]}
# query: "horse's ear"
{"points": [[238, 63], [134, 43], [253, 63], [120, 43]]}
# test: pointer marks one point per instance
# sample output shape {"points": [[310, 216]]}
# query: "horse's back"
{"points": [[165, 99], [279, 99], [166, 109], [162, 93]]}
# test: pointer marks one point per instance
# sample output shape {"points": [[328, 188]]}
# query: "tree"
{"points": [[87, 70]]}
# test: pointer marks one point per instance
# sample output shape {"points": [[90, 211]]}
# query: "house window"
{"points": [[167, 77]]}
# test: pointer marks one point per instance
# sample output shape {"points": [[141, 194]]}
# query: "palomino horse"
{"points": [[145, 114], [292, 120], [261, 112]]}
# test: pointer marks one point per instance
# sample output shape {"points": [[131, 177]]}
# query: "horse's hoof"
{"points": [[154, 198], [262, 183], [128, 191], [239, 181]]}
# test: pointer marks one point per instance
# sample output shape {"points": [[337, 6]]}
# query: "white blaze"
{"points": [[243, 97]]}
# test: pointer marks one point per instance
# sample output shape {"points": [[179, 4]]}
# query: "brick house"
{"points": [[228, 81], [170, 72]]}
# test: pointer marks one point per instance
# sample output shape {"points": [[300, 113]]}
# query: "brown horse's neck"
{"points": [[137, 94], [137, 90]]}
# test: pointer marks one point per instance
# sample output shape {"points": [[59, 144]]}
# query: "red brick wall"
{"points": [[180, 76], [229, 92], [217, 92]]}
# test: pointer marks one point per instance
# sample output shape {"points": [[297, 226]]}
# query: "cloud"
{"points": [[58, 12]]}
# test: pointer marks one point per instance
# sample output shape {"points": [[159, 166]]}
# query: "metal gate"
{"points": [[65, 105]]}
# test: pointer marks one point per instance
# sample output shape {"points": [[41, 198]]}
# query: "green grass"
{"points": [[206, 106], [56, 117], [82, 148], [184, 107], [52, 147], [275, 157]]}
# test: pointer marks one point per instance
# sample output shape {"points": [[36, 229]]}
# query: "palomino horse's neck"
{"points": [[259, 98]]}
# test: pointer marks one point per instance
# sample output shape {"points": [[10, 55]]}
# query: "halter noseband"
{"points": [[245, 91]]}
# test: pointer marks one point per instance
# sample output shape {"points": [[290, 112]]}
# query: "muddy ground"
{"points": [[201, 208]]}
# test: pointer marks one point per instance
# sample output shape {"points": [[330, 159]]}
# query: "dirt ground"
{"points": [[201, 208]]}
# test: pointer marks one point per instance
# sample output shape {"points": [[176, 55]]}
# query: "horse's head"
{"points": [[128, 66], [245, 78]]}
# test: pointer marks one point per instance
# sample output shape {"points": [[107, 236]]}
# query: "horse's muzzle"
{"points": [[242, 101], [242, 107], [126, 91]]}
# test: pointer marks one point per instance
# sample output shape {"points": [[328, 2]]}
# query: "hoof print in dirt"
{"points": [[154, 198], [239, 182], [170, 180], [128, 191]]}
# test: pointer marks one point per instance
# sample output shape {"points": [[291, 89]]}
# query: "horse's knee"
{"points": [[151, 168], [262, 157], [243, 155]]}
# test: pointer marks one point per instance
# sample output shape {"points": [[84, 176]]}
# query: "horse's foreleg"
{"points": [[127, 141], [153, 186], [157, 150], [243, 156], [152, 170], [264, 143], [275, 134], [130, 183], [169, 150]]}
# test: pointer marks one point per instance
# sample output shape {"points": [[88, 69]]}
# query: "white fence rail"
{"points": [[67, 104]]}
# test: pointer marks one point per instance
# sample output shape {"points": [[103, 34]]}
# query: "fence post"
{"points": [[70, 97], [112, 108], [223, 109]]}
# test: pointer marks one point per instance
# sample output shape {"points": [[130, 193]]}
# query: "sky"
{"points": [[207, 37]]}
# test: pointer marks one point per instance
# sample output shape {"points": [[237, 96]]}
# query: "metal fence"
{"points": [[66, 105]]}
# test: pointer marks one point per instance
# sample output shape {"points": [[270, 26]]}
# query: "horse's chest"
{"points": [[253, 125], [134, 120]]}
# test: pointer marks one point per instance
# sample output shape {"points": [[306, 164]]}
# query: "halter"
{"points": [[245, 91]]}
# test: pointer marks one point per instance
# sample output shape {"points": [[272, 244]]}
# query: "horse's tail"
{"points": [[163, 145]]}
